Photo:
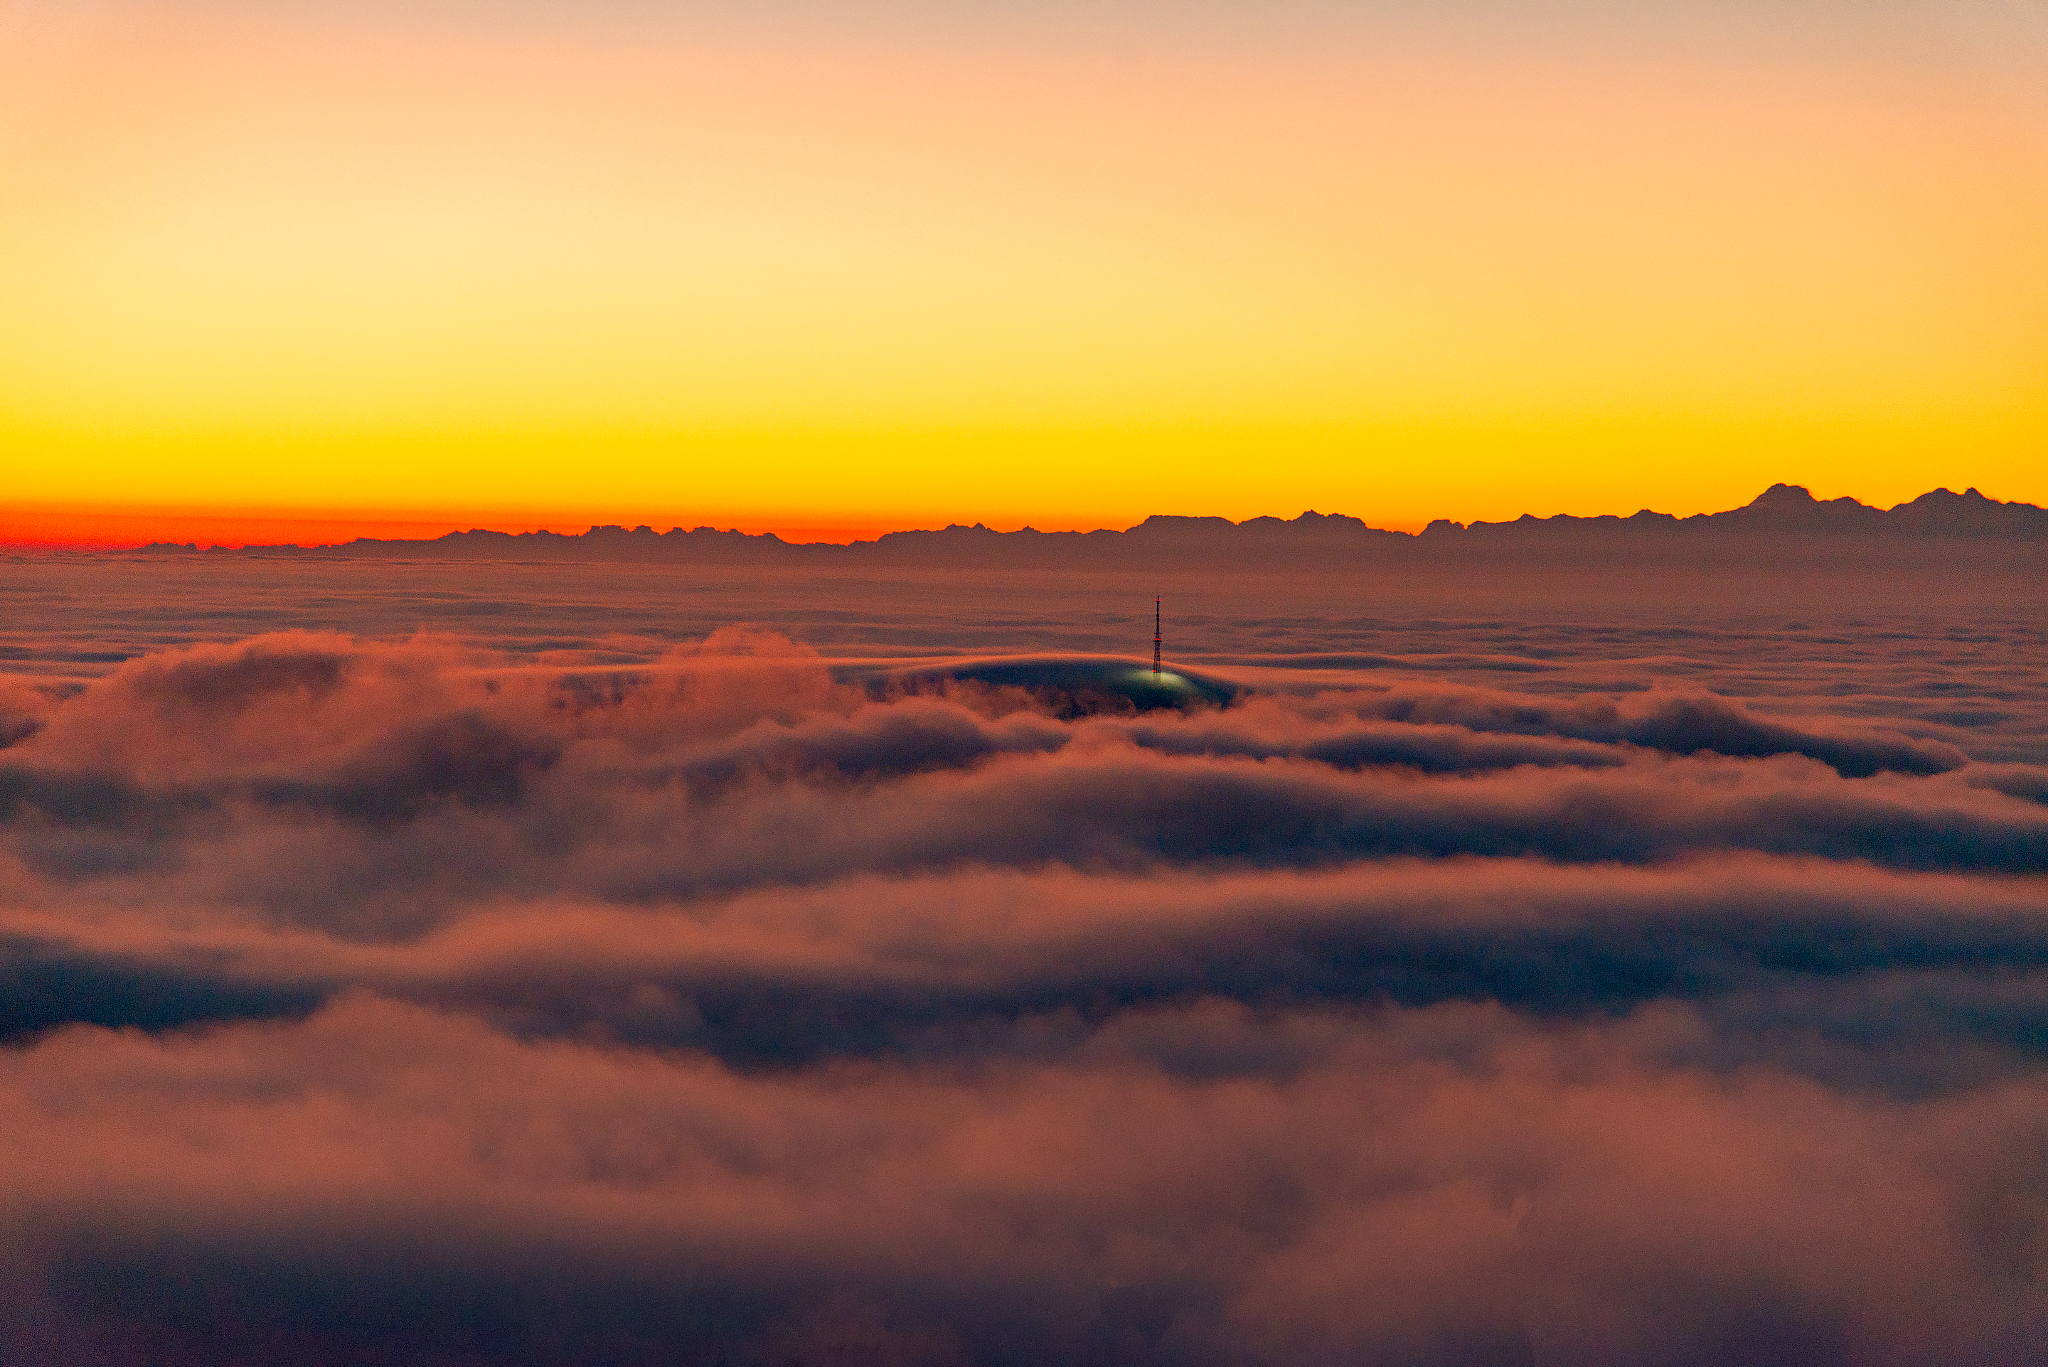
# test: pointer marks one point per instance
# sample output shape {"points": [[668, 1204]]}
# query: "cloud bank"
{"points": [[371, 1001]]}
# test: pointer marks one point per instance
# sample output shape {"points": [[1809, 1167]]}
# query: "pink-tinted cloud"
{"points": [[425, 1001], [1444, 1185]]}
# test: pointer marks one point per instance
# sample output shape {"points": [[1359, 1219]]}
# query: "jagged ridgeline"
{"points": [[1784, 522]]}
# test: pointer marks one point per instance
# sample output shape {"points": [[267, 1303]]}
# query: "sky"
{"points": [[839, 268], [534, 965]]}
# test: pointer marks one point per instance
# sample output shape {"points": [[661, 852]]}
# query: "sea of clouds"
{"points": [[431, 966]]}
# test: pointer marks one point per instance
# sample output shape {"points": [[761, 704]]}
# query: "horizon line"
{"points": [[116, 527]]}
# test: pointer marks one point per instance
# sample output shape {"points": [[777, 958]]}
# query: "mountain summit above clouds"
{"points": [[1789, 510], [1785, 520]]}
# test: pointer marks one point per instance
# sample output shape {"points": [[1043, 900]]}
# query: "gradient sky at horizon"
{"points": [[860, 265]]}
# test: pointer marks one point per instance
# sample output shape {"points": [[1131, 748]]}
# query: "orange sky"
{"points": [[430, 267], [103, 525]]}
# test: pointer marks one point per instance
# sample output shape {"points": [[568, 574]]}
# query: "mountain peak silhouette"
{"points": [[1784, 520]]}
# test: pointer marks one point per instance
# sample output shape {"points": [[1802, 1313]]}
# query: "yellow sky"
{"points": [[779, 273]]}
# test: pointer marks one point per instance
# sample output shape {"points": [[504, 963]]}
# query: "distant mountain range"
{"points": [[1785, 520], [1789, 510]]}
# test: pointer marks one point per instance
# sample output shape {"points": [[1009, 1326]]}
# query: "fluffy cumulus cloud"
{"points": [[423, 1002]]}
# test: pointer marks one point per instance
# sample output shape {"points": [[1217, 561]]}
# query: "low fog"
{"points": [[425, 973]]}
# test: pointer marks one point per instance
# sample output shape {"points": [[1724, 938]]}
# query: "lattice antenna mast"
{"points": [[1155, 638]]}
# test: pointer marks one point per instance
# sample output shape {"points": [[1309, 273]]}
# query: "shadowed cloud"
{"points": [[420, 1001]]}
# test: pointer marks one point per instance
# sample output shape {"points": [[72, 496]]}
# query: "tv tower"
{"points": [[1155, 638]]}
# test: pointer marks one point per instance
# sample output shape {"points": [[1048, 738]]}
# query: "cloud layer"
{"points": [[428, 1001]]}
